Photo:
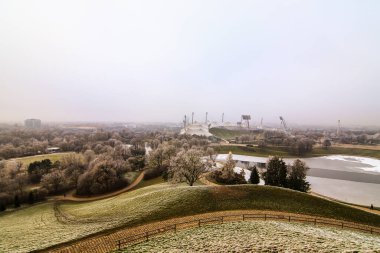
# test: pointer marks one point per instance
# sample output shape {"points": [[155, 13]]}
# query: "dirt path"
{"points": [[347, 204], [204, 180], [72, 197], [108, 242]]}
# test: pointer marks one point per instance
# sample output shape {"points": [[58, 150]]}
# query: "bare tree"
{"points": [[54, 181], [211, 152], [73, 165], [187, 166]]}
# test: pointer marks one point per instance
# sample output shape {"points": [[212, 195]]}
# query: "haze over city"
{"points": [[313, 62]]}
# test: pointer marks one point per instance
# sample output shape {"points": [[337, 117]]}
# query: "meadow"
{"points": [[48, 224], [52, 157], [260, 236]]}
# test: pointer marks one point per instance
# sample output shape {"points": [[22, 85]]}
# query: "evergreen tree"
{"points": [[16, 201], [297, 177], [254, 178], [276, 172]]}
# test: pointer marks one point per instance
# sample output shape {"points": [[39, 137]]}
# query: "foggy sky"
{"points": [[313, 62]]}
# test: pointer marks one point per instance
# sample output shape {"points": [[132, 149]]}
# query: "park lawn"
{"points": [[253, 151], [232, 134], [29, 159], [283, 152], [37, 227]]}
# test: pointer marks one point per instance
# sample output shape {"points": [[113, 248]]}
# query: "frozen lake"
{"points": [[347, 191], [347, 178]]}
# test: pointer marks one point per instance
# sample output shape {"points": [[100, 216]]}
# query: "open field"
{"points": [[231, 134], [23, 230], [283, 152], [29, 159], [260, 236], [372, 147]]}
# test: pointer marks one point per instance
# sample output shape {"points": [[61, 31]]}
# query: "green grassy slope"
{"points": [[283, 152], [53, 157], [231, 134], [37, 227]]}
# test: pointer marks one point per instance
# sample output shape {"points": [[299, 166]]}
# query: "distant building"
{"points": [[53, 150], [32, 123]]}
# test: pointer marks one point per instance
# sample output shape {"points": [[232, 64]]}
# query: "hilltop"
{"points": [[67, 221]]}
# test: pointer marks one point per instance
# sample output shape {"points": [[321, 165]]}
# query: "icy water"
{"points": [[347, 178]]}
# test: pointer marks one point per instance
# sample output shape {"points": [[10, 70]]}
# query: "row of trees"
{"points": [[18, 142], [293, 176]]}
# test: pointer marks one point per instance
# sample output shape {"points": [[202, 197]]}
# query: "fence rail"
{"points": [[144, 236]]}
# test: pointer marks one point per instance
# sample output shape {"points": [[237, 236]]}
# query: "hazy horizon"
{"points": [[313, 62]]}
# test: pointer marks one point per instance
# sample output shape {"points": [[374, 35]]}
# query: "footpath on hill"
{"points": [[107, 242], [72, 197]]}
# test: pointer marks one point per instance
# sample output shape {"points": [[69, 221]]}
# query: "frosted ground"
{"points": [[261, 236]]}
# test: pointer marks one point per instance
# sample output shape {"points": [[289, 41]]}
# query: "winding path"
{"points": [[72, 197]]}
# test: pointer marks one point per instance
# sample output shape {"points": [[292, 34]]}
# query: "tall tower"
{"points": [[206, 116], [184, 122], [222, 117], [192, 118]]}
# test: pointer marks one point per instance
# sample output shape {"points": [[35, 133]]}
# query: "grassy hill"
{"points": [[283, 152], [47, 224], [231, 134]]}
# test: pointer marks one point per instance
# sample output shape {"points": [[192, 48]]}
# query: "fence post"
{"points": [[222, 219], [315, 221], [199, 223], [243, 217], [371, 230], [342, 224], [146, 235], [119, 244], [289, 218], [175, 228], [265, 216]]}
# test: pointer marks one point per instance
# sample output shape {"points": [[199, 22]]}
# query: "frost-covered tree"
{"points": [[54, 182], [211, 153], [187, 166], [228, 167]]}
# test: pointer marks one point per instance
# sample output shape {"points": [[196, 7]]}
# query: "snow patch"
{"points": [[370, 164]]}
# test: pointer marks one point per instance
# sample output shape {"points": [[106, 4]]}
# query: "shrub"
{"points": [[104, 176]]}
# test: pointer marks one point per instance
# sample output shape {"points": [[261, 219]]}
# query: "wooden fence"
{"points": [[141, 237]]}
